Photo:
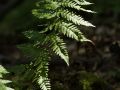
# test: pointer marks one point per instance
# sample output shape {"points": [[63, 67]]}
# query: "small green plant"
{"points": [[57, 18], [3, 82]]}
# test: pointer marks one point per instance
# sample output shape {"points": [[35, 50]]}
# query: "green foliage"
{"points": [[2, 81], [91, 81], [38, 68], [57, 18]]}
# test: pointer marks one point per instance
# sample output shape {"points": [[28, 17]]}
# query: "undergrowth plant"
{"points": [[3, 82], [57, 18]]}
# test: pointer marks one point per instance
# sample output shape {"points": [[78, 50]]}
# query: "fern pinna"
{"points": [[57, 17], [3, 83]]}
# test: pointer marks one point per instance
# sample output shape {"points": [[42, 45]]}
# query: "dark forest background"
{"points": [[99, 63]]}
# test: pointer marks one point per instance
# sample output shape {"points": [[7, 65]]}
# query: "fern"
{"points": [[2, 81], [39, 64], [56, 18], [58, 46]]}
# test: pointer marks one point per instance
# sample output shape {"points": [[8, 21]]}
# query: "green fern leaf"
{"points": [[75, 5], [74, 18], [2, 81], [40, 61], [42, 82], [47, 14], [67, 29], [58, 46], [83, 2], [56, 18], [36, 37]]}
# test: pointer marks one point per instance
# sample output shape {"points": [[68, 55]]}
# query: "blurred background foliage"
{"points": [[91, 67], [17, 19]]}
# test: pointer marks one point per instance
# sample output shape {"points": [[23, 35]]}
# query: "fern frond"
{"points": [[2, 81], [74, 5], [36, 37], [70, 31], [58, 46], [43, 14], [40, 61], [74, 18], [43, 83], [55, 9], [82, 2], [46, 11], [49, 5], [67, 29], [57, 18]]}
